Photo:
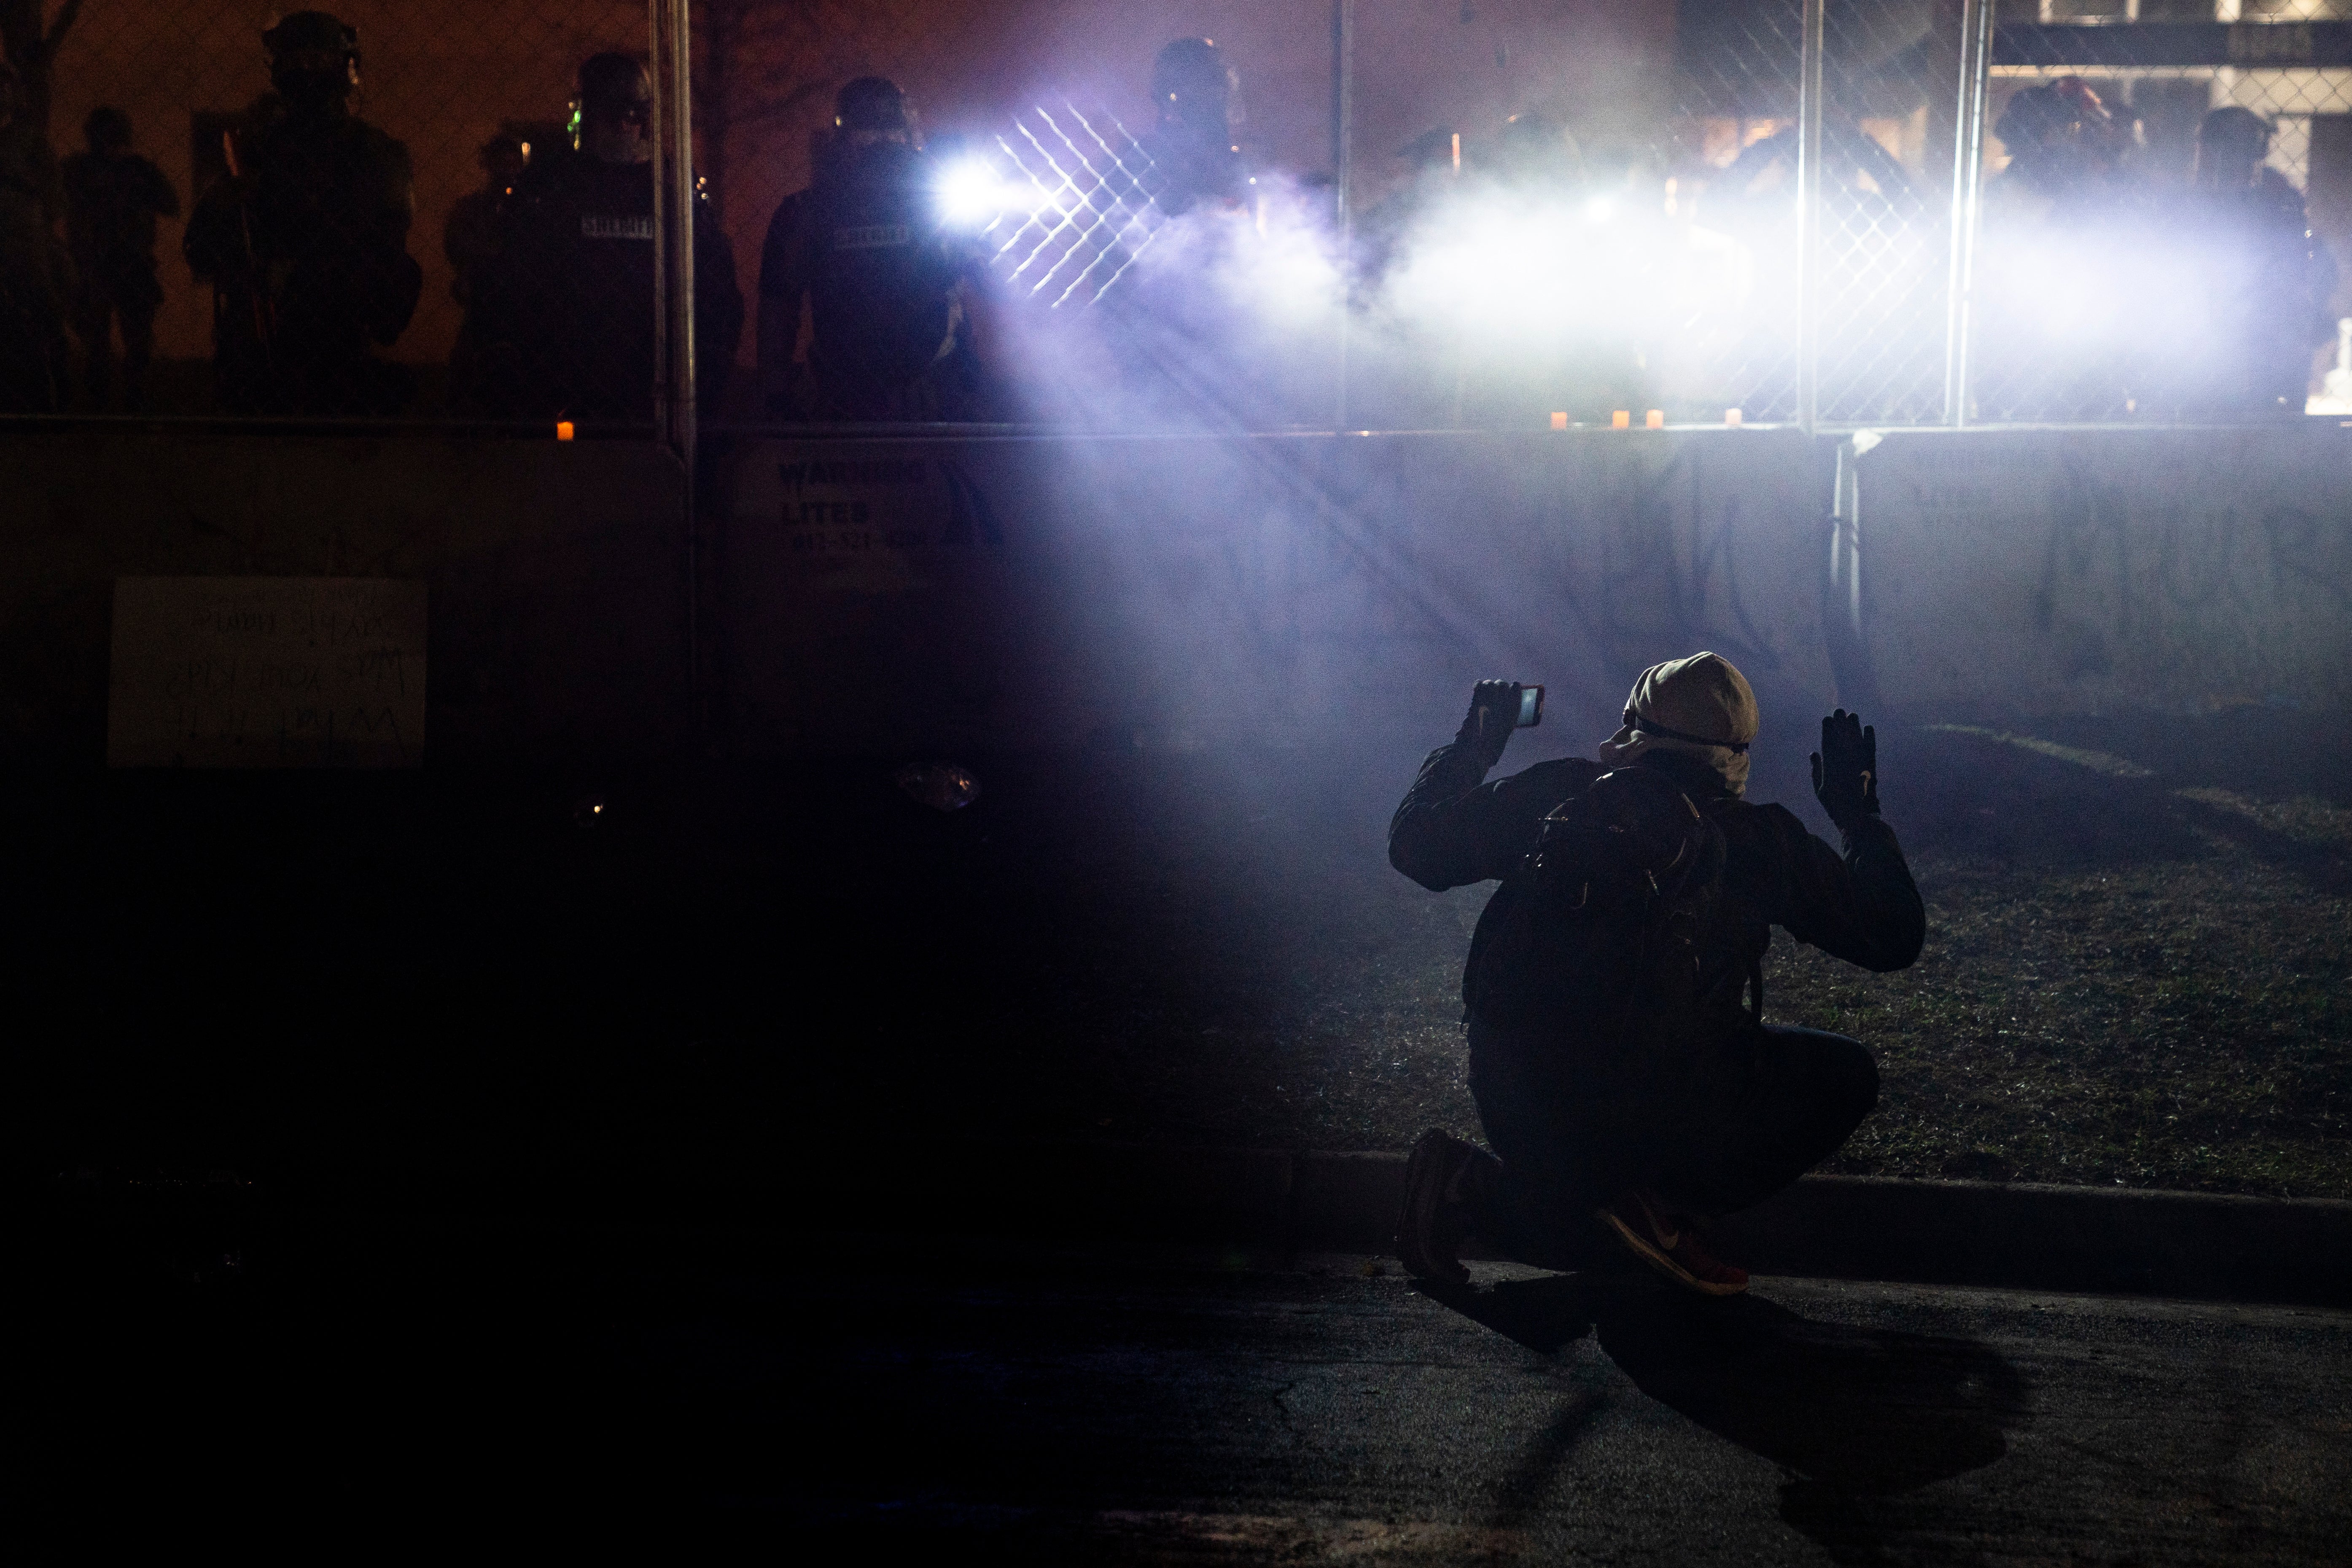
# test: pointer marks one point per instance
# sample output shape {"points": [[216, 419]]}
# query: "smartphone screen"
{"points": [[1530, 706]]}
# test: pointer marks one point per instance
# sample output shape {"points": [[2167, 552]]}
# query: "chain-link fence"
{"points": [[1870, 240], [1082, 211], [2168, 193]]}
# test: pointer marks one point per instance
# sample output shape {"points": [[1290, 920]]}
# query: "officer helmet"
{"points": [[313, 33], [617, 85], [1535, 146], [871, 104], [107, 129], [2066, 110], [1194, 83], [2234, 131]]}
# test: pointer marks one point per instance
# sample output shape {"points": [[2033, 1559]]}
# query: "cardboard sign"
{"points": [[266, 672]]}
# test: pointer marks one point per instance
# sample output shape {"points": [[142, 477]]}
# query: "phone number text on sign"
{"points": [[854, 540]]}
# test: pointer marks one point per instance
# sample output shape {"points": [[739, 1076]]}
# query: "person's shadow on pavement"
{"points": [[1857, 1414]]}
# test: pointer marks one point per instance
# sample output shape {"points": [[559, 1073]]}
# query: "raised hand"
{"points": [[1494, 714], [1845, 770]]}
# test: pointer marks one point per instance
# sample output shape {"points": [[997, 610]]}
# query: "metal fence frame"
{"points": [[1976, 19]]}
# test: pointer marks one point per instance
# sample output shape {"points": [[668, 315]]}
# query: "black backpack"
{"points": [[1598, 935]]}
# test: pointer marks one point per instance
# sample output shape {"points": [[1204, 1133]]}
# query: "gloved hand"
{"points": [[1845, 770], [1494, 714]]}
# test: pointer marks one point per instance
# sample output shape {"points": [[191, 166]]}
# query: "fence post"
{"points": [[656, 19], [1968, 176], [1808, 218], [675, 417], [1343, 95], [687, 426]]}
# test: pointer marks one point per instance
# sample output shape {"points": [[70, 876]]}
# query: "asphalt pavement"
{"points": [[1332, 1412], [1175, 1407], [336, 1379]]}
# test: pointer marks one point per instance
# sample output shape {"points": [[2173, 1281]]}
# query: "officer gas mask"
{"points": [[314, 60], [612, 118]]}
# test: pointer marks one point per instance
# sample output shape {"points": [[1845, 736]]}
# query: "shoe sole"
{"points": [[1420, 1183], [1649, 1254]]}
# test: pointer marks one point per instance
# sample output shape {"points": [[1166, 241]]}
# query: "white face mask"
{"points": [[1629, 742]]}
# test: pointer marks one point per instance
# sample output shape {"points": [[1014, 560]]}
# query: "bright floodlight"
{"points": [[971, 192]]}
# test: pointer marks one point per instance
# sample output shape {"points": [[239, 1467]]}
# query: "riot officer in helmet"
{"points": [[566, 301], [306, 242], [35, 273], [113, 198], [868, 249], [2064, 218], [2267, 281], [1193, 147]]}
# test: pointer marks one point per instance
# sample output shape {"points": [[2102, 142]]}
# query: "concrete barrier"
{"points": [[2101, 570], [1189, 593], [556, 572]]}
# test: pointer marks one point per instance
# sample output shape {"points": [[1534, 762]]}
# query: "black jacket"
{"points": [[1454, 829], [563, 314]]}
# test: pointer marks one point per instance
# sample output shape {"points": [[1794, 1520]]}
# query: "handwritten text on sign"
{"points": [[266, 672]]}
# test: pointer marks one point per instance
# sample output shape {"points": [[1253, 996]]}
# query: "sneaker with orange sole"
{"points": [[1667, 1244]]}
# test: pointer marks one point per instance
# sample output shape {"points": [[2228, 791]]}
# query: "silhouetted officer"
{"points": [[866, 248], [306, 242], [568, 299], [469, 235], [113, 198], [2268, 281], [35, 274], [2064, 222], [1194, 149]]}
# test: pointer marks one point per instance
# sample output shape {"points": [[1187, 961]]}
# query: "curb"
{"points": [[2199, 1246]]}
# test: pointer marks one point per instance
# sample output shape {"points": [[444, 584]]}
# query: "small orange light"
{"points": [[1620, 420], [1560, 421], [1731, 416], [1657, 419], [563, 429]]}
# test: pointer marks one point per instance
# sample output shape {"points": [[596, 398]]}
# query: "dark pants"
{"points": [[96, 312], [1779, 1100]]}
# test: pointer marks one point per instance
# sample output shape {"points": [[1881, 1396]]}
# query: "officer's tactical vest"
{"points": [[881, 279]]}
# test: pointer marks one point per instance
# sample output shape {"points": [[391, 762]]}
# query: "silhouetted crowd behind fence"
{"points": [[1513, 279]]}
